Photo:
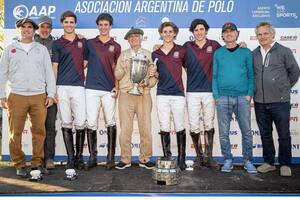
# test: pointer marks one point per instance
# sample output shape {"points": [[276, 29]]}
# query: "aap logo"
{"points": [[20, 12]]}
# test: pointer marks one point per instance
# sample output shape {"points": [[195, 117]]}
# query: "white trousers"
{"points": [[200, 104], [167, 106], [71, 106], [94, 100]]}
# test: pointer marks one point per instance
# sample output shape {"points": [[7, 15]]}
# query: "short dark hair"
{"points": [[105, 16], [165, 24], [66, 14], [196, 22]]}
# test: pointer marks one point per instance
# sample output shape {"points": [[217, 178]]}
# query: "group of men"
{"points": [[47, 76]]}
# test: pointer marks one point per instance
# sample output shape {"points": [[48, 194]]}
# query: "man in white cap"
{"points": [[26, 66], [45, 38]]}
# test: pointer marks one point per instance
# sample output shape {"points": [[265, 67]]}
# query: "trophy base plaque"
{"points": [[166, 172]]}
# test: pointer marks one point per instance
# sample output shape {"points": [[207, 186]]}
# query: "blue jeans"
{"points": [[279, 113], [240, 106]]}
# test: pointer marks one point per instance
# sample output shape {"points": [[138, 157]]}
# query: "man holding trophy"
{"points": [[135, 72]]}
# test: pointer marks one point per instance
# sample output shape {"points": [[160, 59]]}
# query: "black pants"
{"points": [[49, 145]]}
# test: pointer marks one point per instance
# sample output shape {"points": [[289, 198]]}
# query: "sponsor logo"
{"points": [[294, 119], [102, 145], [209, 49], [176, 54], [255, 132], [233, 132], [145, 38], [233, 119], [22, 11], [135, 145], [295, 146], [115, 38], [295, 133], [141, 22], [13, 50], [111, 48], [257, 146], [79, 45], [294, 91], [294, 51], [234, 146], [294, 105], [262, 12], [25, 131], [102, 132], [282, 12], [288, 38]]}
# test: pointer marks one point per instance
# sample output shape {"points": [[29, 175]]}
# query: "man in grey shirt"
{"points": [[26, 66], [276, 72], [45, 38]]}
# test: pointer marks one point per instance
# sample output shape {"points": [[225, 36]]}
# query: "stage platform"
{"points": [[136, 180]]}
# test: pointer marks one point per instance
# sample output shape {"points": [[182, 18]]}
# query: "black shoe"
{"points": [[147, 165], [122, 165], [22, 172], [110, 165], [90, 164]]}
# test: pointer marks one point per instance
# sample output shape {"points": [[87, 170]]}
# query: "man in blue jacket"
{"points": [[276, 72]]}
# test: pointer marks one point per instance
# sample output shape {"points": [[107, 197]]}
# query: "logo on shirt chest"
{"points": [[176, 54], [79, 44], [13, 50], [209, 49], [111, 48]]}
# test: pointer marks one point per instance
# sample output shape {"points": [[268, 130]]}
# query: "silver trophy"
{"points": [[138, 70]]}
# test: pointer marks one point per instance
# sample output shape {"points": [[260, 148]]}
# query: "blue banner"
{"points": [[150, 13]]}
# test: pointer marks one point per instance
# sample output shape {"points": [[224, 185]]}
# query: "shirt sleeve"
{"points": [[4, 66], [250, 73], [55, 52], [292, 67], [119, 71], [50, 79], [215, 88]]}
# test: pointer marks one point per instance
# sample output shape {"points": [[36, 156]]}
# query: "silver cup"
{"points": [[138, 70]]}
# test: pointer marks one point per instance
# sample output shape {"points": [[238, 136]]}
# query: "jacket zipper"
{"points": [[265, 64]]}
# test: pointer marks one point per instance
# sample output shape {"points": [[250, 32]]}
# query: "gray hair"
{"points": [[269, 25]]}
